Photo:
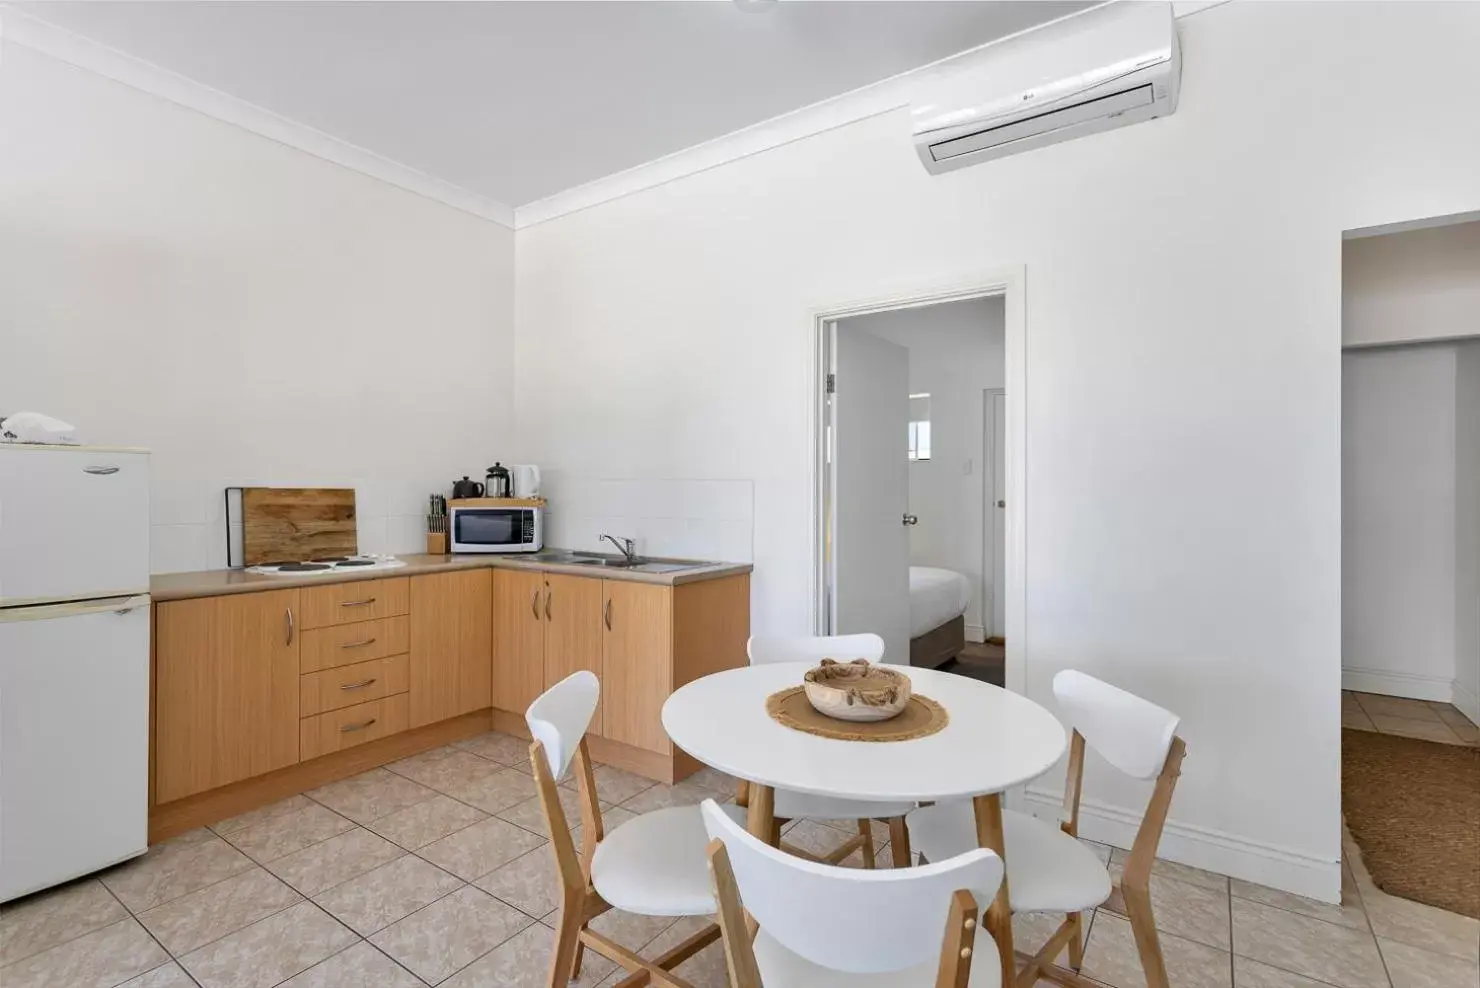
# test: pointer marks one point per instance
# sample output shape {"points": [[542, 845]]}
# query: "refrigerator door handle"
{"points": [[41, 612]]}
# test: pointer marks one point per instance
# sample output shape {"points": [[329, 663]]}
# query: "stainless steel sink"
{"points": [[638, 566], [601, 561]]}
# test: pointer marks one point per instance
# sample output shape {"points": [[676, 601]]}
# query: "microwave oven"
{"points": [[479, 528]]}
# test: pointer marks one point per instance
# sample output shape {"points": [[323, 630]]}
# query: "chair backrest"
{"points": [[1130, 733], [814, 648], [558, 717], [854, 920]]}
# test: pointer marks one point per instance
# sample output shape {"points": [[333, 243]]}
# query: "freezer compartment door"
{"points": [[74, 524], [74, 740]]}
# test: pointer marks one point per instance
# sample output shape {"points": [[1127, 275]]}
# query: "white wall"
{"points": [[1411, 286], [1467, 531], [252, 314], [1398, 514], [1183, 400], [956, 351]]}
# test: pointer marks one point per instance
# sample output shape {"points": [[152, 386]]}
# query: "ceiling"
{"points": [[516, 101]]}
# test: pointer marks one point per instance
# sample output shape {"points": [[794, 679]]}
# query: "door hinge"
{"points": [[832, 384]]}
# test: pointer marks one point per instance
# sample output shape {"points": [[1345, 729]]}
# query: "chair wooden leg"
{"points": [[565, 958], [1143, 927], [1076, 941], [899, 843], [866, 833], [575, 965]]}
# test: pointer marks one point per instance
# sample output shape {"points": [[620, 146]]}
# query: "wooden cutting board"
{"points": [[291, 524]]}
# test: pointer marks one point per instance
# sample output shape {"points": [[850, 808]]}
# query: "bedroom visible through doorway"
{"points": [[915, 455]]}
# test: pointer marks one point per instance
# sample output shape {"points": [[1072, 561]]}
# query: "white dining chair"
{"points": [[1048, 868], [791, 805], [653, 865], [826, 927]]}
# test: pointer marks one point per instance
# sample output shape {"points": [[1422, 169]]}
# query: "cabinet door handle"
{"points": [[358, 644], [357, 603], [360, 685], [347, 728], [607, 614], [289, 612], [549, 595], [534, 604]]}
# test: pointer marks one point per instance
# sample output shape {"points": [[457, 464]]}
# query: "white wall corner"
{"points": [[1201, 847], [84, 53], [1401, 684], [1466, 702]]}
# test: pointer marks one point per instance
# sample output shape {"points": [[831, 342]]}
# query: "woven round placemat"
{"points": [[920, 718]]}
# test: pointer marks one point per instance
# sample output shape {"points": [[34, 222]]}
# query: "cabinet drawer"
{"points": [[336, 730], [344, 603], [327, 648], [348, 685]]}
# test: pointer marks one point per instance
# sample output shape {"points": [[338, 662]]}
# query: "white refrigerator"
{"points": [[74, 662]]}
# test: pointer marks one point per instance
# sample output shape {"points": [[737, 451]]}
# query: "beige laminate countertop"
{"points": [[215, 582]]}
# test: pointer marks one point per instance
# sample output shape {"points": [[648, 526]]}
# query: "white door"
{"points": [[871, 548], [74, 523], [998, 508], [74, 740]]}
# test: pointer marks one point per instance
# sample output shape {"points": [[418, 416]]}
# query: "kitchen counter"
{"points": [[215, 582]]}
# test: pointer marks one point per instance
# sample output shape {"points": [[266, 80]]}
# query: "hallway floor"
{"points": [[1429, 721]]}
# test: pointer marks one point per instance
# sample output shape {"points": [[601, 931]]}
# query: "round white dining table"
{"points": [[993, 741]]}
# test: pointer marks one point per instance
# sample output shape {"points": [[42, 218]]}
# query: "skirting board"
{"points": [[1200, 847], [976, 633], [1398, 684], [1466, 702]]}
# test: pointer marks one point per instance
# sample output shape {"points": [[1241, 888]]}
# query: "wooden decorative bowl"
{"points": [[857, 690]]}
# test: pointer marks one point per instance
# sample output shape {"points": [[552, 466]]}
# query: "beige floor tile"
{"points": [[262, 814], [529, 883], [523, 961], [1110, 957], [1324, 951], [502, 748], [611, 818], [1171, 869], [494, 791], [1451, 715], [878, 828], [378, 898], [616, 786], [1030, 931], [1192, 911], [1426, 730], [170, 975], [269, 951], [419, 825], [55, 916], [1414, 967], [705, 969], [336, 860], [1252, 974], [815, 838], [174, 868], [1349, 913], [1357, 720], [371, 794], [530, 814], [194, 920], [713, 778], [446, 936], [1416, 924], [444, 769], [361, 966], [658, 796], [629, 929], [475, 851], [286, 833], [1464, 730], [1396, 706], [100, 959]]}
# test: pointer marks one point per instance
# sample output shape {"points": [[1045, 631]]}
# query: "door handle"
{"points": [[534, 603], [549, 595], [289, 612], [606, 614], [1001, 504], [910, 519], [100, 471]]}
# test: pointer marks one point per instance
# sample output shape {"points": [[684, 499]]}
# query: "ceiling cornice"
{"points": [[85, 53]]}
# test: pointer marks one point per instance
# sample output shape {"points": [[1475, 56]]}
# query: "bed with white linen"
{"points": [[938, 600]]}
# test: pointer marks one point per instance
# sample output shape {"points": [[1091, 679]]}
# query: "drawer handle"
{"points": [[347, 728], [358, 644], [357, 603], [359, 685]]}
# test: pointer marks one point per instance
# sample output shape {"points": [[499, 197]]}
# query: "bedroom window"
{"points": [[919, 440]]}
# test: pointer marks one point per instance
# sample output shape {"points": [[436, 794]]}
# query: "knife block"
{"points": [[436, 543]]}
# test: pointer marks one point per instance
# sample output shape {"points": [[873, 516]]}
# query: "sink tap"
{"points": [[625, 546]]}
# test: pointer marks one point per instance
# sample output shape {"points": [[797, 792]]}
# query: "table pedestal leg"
{"points": [[988, 811], [760, 814]]}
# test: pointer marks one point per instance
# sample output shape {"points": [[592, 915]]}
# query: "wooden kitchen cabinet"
{"points": [[637, 662], [451, 621], [518, 639], [226, 690], [573, 632]]}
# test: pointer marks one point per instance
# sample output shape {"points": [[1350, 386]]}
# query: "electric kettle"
{"points": [[526, 479]]}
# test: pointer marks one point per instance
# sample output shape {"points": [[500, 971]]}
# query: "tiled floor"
{"points": [[1408, 718], [435, 872]]}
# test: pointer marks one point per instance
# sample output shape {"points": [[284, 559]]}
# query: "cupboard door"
{"points": [[572, 611], [518, 639], [226, 690], [450, 646], [637, 662]]}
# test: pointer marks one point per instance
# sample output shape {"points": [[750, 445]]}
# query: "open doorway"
{"points": [[915, 519], [1411, 559]]}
